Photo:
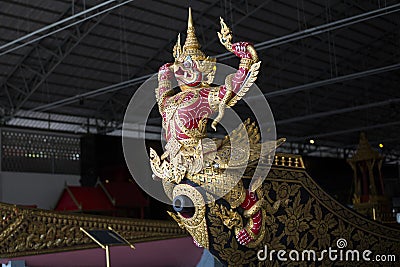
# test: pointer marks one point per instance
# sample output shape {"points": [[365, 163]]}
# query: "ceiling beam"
{"points": [[108, 102], [346, 131], [352, 76], [263, 45], [90, 94], [63, 51], [17, 66], [58, 26], [331, 26], [357, 51], [337, 111], [248, 14]]}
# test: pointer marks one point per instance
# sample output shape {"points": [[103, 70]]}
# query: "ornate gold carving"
{"points": [[178, 219], [230, 218], [195, 133], [195, 225], [299, 215], [25, 231], [249, 81], [164, 83], [168, 188], [257, 239], [225, 36], [191, 49], [368, 186], [253, 53], [213, 99], [236, 195], [173, 146], [256, 207], [246, 63], [287, 160], [166, 87]]}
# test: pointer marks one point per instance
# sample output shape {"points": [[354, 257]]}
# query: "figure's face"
{"points": [[187, 73]]}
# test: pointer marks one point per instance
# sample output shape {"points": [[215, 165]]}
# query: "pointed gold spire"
{"points": [[177, 48], [190, 19], [191, 46], [191, 42]]}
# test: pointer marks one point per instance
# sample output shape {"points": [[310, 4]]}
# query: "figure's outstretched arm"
{"points": [[248, 57], [164, 89], [237, 84]]}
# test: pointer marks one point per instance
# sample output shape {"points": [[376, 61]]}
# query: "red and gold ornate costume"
{"points": [[189, 156]]}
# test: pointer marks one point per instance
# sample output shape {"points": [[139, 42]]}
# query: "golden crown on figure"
{"points": [[191, 49]]}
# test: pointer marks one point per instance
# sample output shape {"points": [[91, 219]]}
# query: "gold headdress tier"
{"points": [[191, 47]]}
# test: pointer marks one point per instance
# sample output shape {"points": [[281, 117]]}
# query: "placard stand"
{"points": [[105, 239]]}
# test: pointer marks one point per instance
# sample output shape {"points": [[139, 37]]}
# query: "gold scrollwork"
{"points": [[195, 225], [298, 214], [26, 231]]}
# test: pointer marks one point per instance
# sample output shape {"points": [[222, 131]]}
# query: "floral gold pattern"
{"points": [[25, 231], [300, 215], [195, 225]]}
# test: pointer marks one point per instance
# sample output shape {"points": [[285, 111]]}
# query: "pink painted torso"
{"points": [[187, 109]]}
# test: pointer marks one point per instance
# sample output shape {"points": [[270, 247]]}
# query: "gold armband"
{"points": [[164, 83], [246, 63], [213, 100], [160, 98], [256, 207], [253, 53], [256, 239]]}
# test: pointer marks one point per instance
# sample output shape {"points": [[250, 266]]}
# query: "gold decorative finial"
{"points": [[364, 150], [177, 48], [190, 20], [191, 48], [225, 36], [191, 44]]}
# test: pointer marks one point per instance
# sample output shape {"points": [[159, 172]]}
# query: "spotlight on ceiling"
{"points": [[381, 145], [312, 141]]}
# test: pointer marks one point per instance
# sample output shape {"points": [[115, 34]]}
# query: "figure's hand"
{"points": [[243, 237], [243, 50], [165, 72]]}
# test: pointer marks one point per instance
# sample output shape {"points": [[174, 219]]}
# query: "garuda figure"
{"points": [[190, 160]]}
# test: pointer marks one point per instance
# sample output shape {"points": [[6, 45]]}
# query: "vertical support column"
{"points": [[107, 256]]}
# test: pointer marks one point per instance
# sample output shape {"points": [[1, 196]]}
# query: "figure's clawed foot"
{"points": [[243, 237], [197, 243]]}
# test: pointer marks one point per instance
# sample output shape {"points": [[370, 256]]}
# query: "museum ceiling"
{"points": [[330, 68]]}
